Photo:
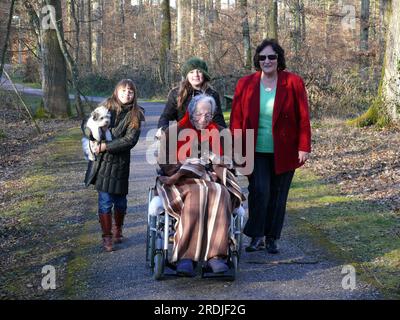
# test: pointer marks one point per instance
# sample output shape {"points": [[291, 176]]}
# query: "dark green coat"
{"points": [[110, 172]]}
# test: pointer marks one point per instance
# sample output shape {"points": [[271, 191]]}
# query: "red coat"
{"points": [[290, 120]]}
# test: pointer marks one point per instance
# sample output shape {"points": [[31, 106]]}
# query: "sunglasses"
{"points": [[262, 57]]}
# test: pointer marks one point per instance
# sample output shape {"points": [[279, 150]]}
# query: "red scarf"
{"points": [[210, 133]]}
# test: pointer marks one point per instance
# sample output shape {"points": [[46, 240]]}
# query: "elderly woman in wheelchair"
{"points": [[199, 196]]}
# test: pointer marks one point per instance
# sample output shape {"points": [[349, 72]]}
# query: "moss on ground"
{"points": [[75, 282]]}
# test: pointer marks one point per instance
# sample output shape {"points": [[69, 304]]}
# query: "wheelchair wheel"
{"points": [[151, 241], [239, 240], [235, 262], [239, 236], [158, 259], [148, 245], [158, 265]]}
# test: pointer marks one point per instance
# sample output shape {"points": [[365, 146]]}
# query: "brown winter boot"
{"points": [[106, 223], [119, 222]]}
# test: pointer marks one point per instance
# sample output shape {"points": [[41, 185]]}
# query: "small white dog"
{"points": [[98, 124]]}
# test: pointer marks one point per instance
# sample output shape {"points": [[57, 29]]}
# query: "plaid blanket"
{"points": [[202, 200]]}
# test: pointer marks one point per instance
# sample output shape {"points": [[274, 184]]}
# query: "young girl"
{"points": [[110, 171], [195, 81]]}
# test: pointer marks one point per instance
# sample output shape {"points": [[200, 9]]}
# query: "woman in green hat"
{"points": [[195, 81]]}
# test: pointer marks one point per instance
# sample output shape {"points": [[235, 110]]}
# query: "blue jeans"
{"points": [[107, 200]]}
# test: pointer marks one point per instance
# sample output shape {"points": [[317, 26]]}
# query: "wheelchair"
{"points": [[160, 239]]}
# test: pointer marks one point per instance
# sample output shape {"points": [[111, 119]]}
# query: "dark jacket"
{"points": [[171, 112], [110, 172]]}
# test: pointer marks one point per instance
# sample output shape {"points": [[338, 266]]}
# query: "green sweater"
{"points": [[265, 141]]}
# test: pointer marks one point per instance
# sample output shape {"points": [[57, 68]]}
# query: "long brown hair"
{"points": [[113, 103], [186, 89]]}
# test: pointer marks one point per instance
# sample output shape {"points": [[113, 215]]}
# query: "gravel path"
{"points": [[300, 271]]}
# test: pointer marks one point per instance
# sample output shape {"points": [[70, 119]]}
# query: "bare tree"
{"points": [[122, 22], [271, 17], [4, 49], [201, 14], [211, 41], [329, 10], [246, 34], [391, 75], [193, 9], [75, 11], [165, 43], [179, 28], [297, 32], [364, 34], [89, 35], [97, 37], [54, 82], [72, 66]]}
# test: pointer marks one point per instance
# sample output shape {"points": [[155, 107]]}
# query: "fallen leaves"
{"points": [[364, 162]]}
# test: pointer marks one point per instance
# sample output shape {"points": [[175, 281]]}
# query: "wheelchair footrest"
{"points": [[168, 272], [206, 272]]}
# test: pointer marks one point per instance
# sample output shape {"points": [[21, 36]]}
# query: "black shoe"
{"points": [[271, 246], [256, 244]]}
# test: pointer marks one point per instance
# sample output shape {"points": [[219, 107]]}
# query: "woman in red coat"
{"points": [[273, 103]]}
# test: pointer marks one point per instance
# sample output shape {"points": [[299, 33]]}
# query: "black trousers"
{"points": [[267, 198]]}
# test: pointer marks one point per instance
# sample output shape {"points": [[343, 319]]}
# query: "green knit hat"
{"points": [[195, 63]]}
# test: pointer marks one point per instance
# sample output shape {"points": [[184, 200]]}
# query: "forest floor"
{"points": [[347, 197], [43, 202]]}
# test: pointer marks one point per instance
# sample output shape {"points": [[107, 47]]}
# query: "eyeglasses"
{"points": [[207, 116], [262, 57]]}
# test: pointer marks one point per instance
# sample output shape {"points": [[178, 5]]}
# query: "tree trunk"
{"points": [[381, 35], [391, 76], [75, 13], [68, 21], [35, 23], [364, 32], [4, 49], [54, 82], [246, 35], [328, 23], [179, 29], [364, 25], [211, 13], [165, 44], [201, 14], [297, 28], [185, 28], [89, 35], [303, 22], [70, 62], [193, 9], [97, 37], [122, 18], [271, 23]]}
